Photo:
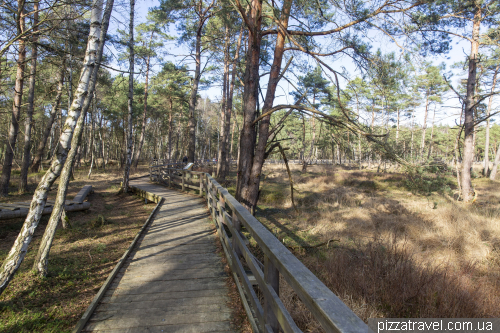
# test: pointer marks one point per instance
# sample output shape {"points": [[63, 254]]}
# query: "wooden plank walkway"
{"points": [[173, 281]]}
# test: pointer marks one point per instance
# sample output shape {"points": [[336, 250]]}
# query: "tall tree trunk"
{"points": [[170, 130], [194, 94], [493, 172], [424, 127], [412, 134], [253, 156], [48, 127], [226, 114], [432, 134], [20, 247], [42, 257], [250, 98], [128, 160], [102, 137], [230, 95], [467, 189], [231, 143], [92, 130], [487, 141], [397, 127], [23, 186], [144, 114], [16, 107]]}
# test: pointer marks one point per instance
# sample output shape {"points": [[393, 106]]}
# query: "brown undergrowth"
{"points": [[392, 253], [81, 257]]}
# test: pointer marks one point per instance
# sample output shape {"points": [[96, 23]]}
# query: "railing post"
{"points": [[222, 209], [201, 185], [272, 278], [169, 177], [237, 228], [183, 176]]}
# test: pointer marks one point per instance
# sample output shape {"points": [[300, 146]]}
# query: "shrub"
{"points": [[428, 179]]}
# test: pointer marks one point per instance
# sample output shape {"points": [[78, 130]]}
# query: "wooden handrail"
{"points": [[325, 306]]}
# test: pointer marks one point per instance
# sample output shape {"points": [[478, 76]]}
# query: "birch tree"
{"points": [[20, 247]]}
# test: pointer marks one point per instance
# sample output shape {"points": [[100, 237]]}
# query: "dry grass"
{"points": [[398, 254]]}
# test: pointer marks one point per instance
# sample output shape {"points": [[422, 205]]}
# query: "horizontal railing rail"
{"points": [[259, 288]]}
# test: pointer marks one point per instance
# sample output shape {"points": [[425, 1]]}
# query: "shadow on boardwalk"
{"points": [[173, 280]]}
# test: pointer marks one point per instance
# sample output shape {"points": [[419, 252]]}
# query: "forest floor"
{"points": [[384, 250], [81, 257]]}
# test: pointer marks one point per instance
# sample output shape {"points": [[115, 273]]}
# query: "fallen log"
{"points": [[21, 209], [22, 212]]}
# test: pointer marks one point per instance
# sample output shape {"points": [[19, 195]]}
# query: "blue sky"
{"points": [[446, 113]]}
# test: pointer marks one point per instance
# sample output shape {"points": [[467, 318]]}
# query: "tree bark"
{"points": [[424, 127], [20, 247], [92, 133], [432, 134], [397, 127], [253, 156], [48, 127], [170, 130], [16, 107], [230, 95], [225, 120], [144, 114], [194, 95], [487, 134], [493, 172], [23, 186], [467, 189], [128, 160], [41, 260]]}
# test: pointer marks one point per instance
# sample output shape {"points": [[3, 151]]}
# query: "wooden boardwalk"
{"points": [[173, 281]]}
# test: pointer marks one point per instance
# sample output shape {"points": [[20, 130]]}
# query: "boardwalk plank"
{"points": [[216, 327], [173, 281]]}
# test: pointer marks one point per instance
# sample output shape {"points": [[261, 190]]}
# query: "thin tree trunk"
{"points": [[193, 97], [468, 155], [144, 114], [203, 14], [23, 186], [493, 172], [102, 137], [432, 134], [397, 128], [170, 130], [225, 114], [16, 107], [487, 143], [92, 128], [412, 134], [231, 92], [48, 127], [422, 143], [20, 247], [128, 160]]}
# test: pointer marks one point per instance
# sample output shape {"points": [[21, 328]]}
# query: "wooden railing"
{"points": [[180, 164], [259, 287]]}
